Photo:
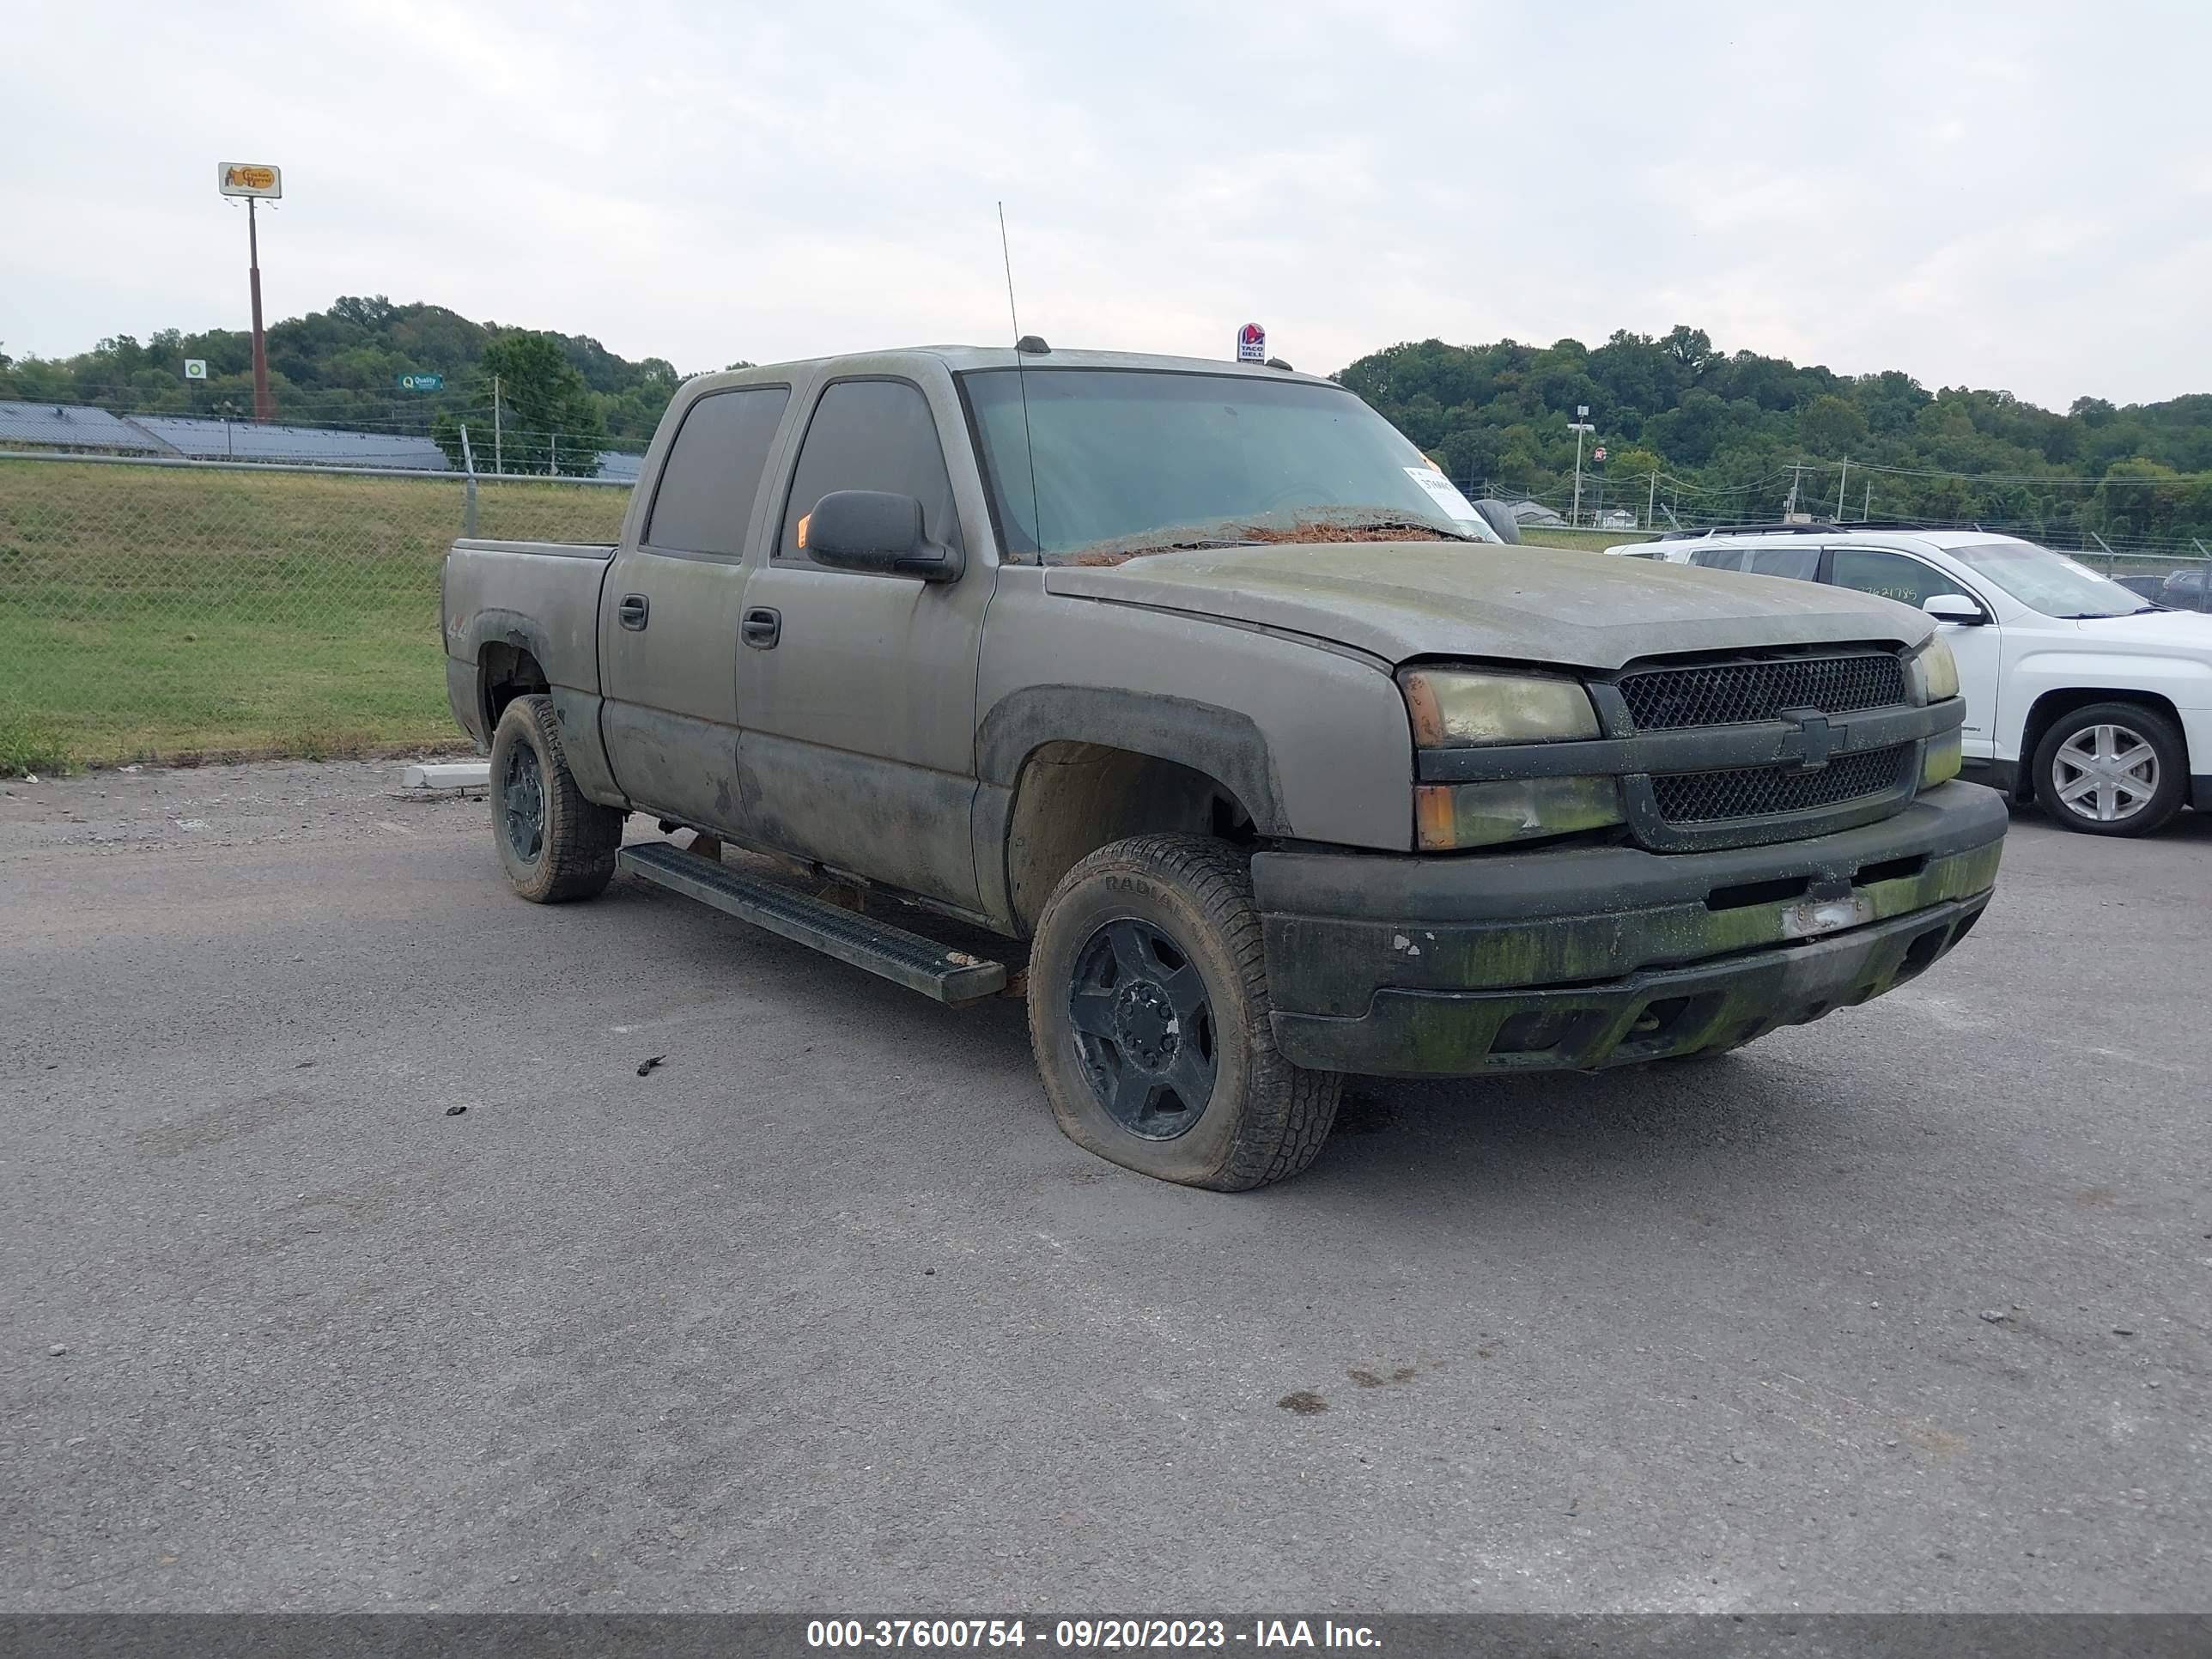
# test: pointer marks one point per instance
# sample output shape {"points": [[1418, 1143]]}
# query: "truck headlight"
{"points": [[1461, 708], [1450, 815], [1938, 669], [1454, 709]]}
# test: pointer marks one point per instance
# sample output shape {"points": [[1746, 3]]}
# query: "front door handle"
{"points": [[761, 628], [631, 613]]}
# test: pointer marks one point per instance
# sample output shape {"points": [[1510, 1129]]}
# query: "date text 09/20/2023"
{"points": [[1101, 1635]]}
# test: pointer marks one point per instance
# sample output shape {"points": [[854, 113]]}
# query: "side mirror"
{"points": [[874, 530], [1954, 608]]}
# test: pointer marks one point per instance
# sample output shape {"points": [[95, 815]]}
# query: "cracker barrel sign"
{"points": [[249, 178]]}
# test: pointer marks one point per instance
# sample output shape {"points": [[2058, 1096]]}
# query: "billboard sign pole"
{"points": [[255, 184]]}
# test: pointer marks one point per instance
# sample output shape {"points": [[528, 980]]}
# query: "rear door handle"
{"points": [[761, 628], [632, 612]]}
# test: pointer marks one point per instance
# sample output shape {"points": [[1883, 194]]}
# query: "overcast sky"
{"points": [[2016, 196]]}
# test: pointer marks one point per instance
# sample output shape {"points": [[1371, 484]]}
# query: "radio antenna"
{"points": [[1022, 379]]}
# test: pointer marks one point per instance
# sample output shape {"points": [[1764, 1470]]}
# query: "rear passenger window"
{"points": [[1802, 562], [1890, 574], [712, 474], [872, 435]]}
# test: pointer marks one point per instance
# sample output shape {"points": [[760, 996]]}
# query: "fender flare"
{"points": [[495, 627], [1224, 744]]}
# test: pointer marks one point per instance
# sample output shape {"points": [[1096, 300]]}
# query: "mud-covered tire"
{"points": [[2144, 800], [1118, 932], [565, 850]]}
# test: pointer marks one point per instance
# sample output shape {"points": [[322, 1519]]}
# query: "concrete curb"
{"points": [[449, 778]]}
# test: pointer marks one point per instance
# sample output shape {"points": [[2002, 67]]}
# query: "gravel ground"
{"points": [[1904, 1309]]}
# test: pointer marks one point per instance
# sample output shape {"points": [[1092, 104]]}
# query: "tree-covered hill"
{"points": [[1713, 435], [342, 368], [1724, 436]]}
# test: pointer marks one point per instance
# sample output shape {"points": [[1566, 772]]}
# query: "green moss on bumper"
{"points": [[1601, 957], [1647, 1016]]}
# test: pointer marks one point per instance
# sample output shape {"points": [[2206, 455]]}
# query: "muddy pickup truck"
{"points": [[1202, 687]]}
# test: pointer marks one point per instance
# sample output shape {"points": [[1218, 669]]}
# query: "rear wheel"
{"points": [[554, 843], [1149, 1013], [2111, 769]]}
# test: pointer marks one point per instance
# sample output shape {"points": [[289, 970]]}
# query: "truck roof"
{"points": [[961, 358]]}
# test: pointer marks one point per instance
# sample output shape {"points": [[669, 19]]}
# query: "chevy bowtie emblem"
{"points": [[1813, 740]]}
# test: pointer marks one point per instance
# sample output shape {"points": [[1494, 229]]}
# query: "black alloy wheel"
{"points": [[522, 803], [1144, 1027]]}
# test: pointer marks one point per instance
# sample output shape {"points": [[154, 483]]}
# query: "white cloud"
{"points": [[1995, 196]]}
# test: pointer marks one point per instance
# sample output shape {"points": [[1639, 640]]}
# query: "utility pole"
{"points": [[1839, 488], [1578, 426], [469, 494], [1866, 511], [498, 460], [1651, 503]]}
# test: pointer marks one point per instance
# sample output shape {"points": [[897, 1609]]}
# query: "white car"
{"points": [[2080, 695]]}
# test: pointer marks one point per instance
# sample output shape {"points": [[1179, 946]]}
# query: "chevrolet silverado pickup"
{"points": [[1201, 686]]}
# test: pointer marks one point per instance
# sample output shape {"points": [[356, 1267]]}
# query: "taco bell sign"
{"points": [[1251, 343]]}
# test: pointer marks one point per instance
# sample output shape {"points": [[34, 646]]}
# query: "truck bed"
{"points": [[541, 596]]}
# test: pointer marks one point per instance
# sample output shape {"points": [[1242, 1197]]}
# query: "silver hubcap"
{"points": [[2106, 773]]}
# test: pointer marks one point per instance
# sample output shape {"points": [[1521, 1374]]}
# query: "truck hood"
{"points": [[1399, 600]]}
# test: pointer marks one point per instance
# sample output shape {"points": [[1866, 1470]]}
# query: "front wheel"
{"points": [[1149, 1014], [554, 844], [2112, 769]]}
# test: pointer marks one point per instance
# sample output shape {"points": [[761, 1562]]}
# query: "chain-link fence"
{"points": [[169, 610], [174, 609]]}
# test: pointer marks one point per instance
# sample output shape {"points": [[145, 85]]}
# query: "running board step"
{"points": [[920, 964]]}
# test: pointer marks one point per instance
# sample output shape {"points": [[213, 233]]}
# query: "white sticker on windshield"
{"points": [[1446, 493]]}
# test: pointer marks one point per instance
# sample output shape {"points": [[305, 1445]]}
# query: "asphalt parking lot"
{"points": [[1904, 1309]]}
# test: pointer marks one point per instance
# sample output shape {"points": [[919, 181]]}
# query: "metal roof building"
{"points": [[76, 427], [64, 426], [242, 440]]}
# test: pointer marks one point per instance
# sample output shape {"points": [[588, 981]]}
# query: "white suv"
{"points": [[2080, 695]]}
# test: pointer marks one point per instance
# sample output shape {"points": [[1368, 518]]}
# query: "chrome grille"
{"points": [[1763, 791], [1732, 693]]}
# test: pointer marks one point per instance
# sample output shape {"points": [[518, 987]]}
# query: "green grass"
{"points": [[25, 748], [164, 614], [1589, 541]]}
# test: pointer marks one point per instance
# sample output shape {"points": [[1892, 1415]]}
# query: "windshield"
{"points": [[2045, 581], [1131, 460]]}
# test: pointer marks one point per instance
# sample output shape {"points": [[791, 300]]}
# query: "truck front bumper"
{"points": [[1592, 957]]}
